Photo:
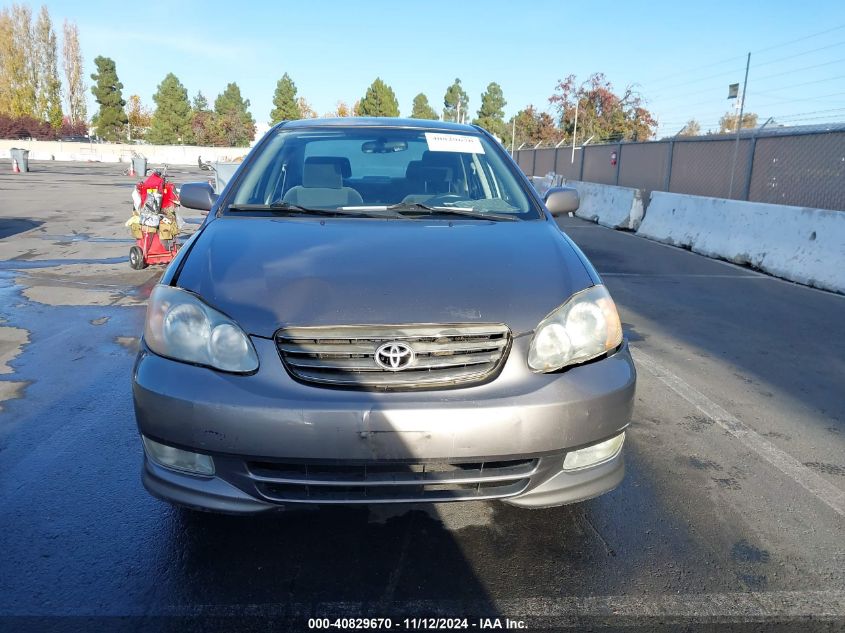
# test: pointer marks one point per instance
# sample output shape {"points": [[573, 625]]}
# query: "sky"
{"points": [[680, 55]]}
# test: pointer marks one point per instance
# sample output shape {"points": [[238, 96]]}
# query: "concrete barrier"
{"points": [[615, 207], [799, 244], [121, 152]]}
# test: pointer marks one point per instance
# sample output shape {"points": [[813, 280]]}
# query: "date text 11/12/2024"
{"points": [[416, 624]]}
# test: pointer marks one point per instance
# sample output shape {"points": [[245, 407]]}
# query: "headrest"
{"points": [[436, 174], [321, 175], [414, 170], [439, 159], [343, 165]]}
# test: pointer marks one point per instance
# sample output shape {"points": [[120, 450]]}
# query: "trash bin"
{"points": [[223, 173], [139, 164], [21, 156]]}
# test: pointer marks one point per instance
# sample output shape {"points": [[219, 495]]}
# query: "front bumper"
{"points": [[269, 417]]}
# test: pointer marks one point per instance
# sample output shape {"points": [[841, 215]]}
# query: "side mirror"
{"points": [[560, 200], [197, 195]]}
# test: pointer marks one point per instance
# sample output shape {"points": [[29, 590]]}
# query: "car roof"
{"points": [[423, 124]]}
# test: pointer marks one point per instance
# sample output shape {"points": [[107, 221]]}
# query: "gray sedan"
{"points": [[380, 311]]}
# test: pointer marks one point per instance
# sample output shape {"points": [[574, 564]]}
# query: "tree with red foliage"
{"points": [[25, 127], [602, 113], [73, 128], [530, 126]]}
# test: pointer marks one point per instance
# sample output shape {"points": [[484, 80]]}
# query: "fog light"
{"points": [[595, 454], [177, 459]]}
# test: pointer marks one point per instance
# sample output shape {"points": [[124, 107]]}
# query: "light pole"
{"points": [[574, 132], [739, 126]]}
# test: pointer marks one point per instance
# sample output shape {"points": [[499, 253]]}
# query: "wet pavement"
{"points": [[732, 512]]}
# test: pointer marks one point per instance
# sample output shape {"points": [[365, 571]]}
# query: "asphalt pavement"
{"points": [[732, 512]]}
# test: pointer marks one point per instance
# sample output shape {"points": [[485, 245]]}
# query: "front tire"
{"points": [[136, 258]]}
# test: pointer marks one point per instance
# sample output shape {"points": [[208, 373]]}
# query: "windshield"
{"points": [[359, 169]]}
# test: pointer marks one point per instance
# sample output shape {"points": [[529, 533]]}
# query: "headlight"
{"points": [[181, 327], [583, 328]]}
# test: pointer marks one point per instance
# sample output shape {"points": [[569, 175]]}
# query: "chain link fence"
{"points": [[801, 166]]}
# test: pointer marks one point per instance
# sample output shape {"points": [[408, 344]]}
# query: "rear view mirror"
{"points": [[383, 147], [560, 200], [197, 195]]}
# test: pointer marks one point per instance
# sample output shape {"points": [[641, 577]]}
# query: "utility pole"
{"points": [[574, 132], [739, 127], [513, 138]]}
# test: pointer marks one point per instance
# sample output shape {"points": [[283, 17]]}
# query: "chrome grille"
{"points": [[382, 482], [443, 355]]}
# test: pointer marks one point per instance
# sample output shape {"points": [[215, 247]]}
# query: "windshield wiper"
{"points": [[424, 209], [287, 207]]}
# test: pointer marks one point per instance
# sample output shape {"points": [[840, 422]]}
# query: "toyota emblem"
{"points": [[394, 356]]}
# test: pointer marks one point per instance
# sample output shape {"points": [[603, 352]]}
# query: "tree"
{"points": [[728, 122], [49, 87], [533, 126], [111, 118], [234, 125], [601, 112], [692, 128], [70, 128], [200, 103], [285, 107], [139, 118], [18, 72], [342, 110], [379, 100], [202, 121], [171, 122], [74, 83], [455, 103], [305, 109], [421, 109], [491, 114]]}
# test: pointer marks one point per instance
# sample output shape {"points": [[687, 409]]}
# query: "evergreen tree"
{"points": [[234, 125], [200, 103], [455, 103], [379, 100], [491, 114], [421, 109], [111, 119], [49, 95], [286, 107], [171, 121]]}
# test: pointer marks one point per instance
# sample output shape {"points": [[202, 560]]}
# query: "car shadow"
{"points": [[15, 226]]}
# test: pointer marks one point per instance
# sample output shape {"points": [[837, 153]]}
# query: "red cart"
{"points": [[157, 196]]}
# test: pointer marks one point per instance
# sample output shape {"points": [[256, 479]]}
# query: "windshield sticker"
{"points": [[438, 142]]}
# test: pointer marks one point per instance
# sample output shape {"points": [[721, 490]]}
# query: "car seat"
{"points": [[322, 185]]}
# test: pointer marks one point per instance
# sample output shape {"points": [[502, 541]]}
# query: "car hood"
{"points": [[269, 272]]}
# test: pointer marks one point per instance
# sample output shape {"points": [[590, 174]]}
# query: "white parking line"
{"points": [[822, 489], [700, 608]]}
